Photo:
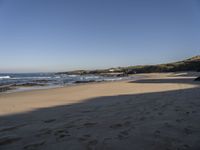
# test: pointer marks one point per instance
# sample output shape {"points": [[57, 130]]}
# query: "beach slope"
{"points": [[159, 112]]}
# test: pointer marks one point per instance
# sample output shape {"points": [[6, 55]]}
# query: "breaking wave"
{"points": [[4, 77]]}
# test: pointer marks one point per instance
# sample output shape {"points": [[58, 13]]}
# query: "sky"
{"points": [[62, 35]]}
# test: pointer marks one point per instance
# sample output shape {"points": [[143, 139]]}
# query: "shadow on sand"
{"points": [[173, 80], [152, 121]]}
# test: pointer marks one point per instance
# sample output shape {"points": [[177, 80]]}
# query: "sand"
{"points": [[160, 112]]}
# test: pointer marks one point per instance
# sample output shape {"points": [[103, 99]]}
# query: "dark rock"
{"points": [[197, 79], [115, 74], [41, 81], [30, 84], [85, 81], [5, 88]]}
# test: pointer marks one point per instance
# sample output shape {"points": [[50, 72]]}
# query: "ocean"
{"points": [[27, 81]]}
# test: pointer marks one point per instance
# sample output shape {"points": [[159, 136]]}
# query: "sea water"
{"points": [[41, 80]]}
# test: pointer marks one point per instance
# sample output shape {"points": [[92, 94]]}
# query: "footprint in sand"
{"points": [[116, 126], [185, 146], [142, 118], [33, 146], [106, 140], [10, 128], [168, 125], [155, 109], [194, 111], [68, 126], [187, 131], [157, 133], [177, 108], [147, 113], [123, 134], [44, 132], [179, 120], [61, 133], [120, 125], [49, 121], [90, 124], [84, 137], [91, 144], [127, 123], [127, 118], [86, 111], [88, 141], [8, 139]]}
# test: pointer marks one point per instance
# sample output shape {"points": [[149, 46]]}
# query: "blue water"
{"points": [[50, 79]]}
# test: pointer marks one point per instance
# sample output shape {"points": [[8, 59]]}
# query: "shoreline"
{"points": [[155, 112], [79, 92], [136, 77], [16, 89]]}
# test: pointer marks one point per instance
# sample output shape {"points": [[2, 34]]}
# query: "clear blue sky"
{"points": [[60, 35]]}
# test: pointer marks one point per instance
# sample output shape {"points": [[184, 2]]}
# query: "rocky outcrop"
{"points": [[197, 79], [29, 84], [4, 88], [89, 81]]}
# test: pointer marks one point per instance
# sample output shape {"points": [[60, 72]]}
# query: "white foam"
{"points": [[113, 79], [91, 77], [73, 75], [57, 77], [18, 78], [4, 77]]}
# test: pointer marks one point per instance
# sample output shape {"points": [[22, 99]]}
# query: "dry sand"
{"points": [[161, 112]]}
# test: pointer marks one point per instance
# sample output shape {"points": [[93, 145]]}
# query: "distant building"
{"points": [[111, 70]]}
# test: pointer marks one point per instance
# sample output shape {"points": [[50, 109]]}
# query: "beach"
{"points": [[159, 112]]}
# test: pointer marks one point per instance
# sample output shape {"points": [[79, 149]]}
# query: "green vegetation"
{"points": [[191, 64]]}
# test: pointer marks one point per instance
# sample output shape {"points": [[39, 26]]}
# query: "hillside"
{"points": [[191, 64]]}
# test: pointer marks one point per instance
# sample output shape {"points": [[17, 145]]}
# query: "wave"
{"points": [[18, 78], [73, 75], [57, 77], [91, 77], [113, 79], [4, 77]]}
